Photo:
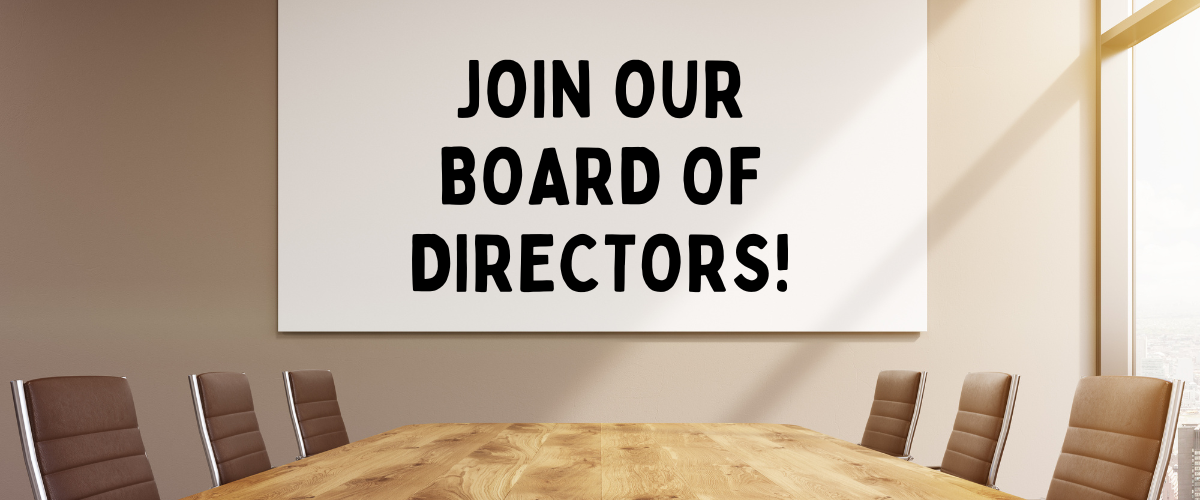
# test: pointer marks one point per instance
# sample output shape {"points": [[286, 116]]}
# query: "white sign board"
{"points": [[602, 166]]}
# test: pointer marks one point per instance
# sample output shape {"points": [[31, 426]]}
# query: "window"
{"points": [[1167, 51], [1166, 222]]}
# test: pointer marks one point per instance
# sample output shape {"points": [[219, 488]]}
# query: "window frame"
{"points": [[1120, 29]]}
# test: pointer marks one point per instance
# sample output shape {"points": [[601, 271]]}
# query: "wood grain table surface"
{"points": [[601, 461]]}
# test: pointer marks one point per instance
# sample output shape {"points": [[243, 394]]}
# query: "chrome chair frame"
{"points": [[27, 444], [291, 401], [1004, 426], [205, 439], [1168, 441], [912, 426]]}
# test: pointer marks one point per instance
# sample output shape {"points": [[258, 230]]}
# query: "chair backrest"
{"points": [[316, 416], [985, 411], [1118, 442], [233, 444], [894, 412], [81, 439]]}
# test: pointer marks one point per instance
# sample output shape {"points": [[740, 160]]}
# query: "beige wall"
{"points": [[137, 238]]}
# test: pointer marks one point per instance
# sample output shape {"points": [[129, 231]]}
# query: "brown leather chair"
{"points": [[1118, 442], [316, 416], [894, 412], [81, 439], [233, 444], [985, 410]]}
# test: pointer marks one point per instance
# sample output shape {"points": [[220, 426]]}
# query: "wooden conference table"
{"points": [[601, 461]]}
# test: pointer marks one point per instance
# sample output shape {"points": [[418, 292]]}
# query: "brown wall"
{"points": [[137, 238]]}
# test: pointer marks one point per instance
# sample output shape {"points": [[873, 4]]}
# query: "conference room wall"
{"points": [[137, 238]]}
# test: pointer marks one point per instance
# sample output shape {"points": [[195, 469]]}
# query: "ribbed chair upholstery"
{"points": [[1118, 443], [316, 416], [81, 439], [985, 410], [228, 426], [894, 412]]}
